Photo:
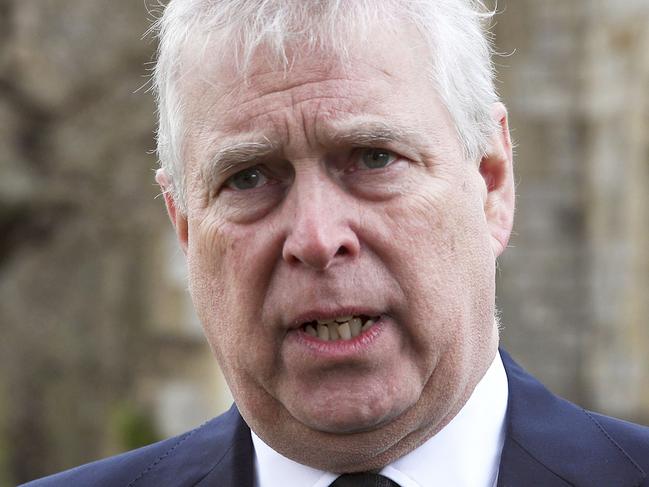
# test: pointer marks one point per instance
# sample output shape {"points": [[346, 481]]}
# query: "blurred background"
{"points": [[100, 350]]}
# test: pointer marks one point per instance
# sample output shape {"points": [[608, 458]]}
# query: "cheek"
{"points": [[439, 255], [220, 253], [208, 241], [421, 229], [443, 219], [206, 253], [229, 269], [211, 259]]}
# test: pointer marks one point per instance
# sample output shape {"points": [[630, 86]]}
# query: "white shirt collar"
{"points": [[465, 453]]}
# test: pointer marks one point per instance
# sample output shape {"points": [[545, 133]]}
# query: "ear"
{"points": [[178, 219], [497, 169]]}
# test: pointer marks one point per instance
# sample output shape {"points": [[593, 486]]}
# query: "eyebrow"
{"points": [[236, 154], [372, 133]]}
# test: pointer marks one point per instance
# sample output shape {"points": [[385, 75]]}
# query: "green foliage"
{"points": [[133, 427]]}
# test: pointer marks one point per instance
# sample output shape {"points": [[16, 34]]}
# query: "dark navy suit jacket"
{"points": [[550, 442]]}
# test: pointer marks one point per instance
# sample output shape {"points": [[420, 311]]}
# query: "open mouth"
{"points": [[341, 328]]}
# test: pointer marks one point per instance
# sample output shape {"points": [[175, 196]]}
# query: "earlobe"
{"points": [[496, 168], [178, 219]]}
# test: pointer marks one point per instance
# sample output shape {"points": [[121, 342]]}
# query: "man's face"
{"points": [[326, 192]]}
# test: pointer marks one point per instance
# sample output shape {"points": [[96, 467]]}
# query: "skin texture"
{"points": [[415, 241]]}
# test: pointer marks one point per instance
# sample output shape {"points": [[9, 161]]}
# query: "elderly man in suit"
{"points": [[339, 177]]}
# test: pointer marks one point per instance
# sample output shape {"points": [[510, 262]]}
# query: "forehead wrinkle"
{"points": [[297, 88]]}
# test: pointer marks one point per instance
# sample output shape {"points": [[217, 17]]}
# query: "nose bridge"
{"points": [[318, 222], [314, 194]]}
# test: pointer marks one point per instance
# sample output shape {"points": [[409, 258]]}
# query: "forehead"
{"points": [[382, 83]]}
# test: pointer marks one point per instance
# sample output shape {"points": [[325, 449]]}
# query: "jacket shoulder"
{"points": [[552, 439], [196, 450], [117, 470], [630, 437]]}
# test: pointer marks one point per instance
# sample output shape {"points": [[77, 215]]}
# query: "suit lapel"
{"points": [[235, 468], [519, 468], [551, 442], [218, 453]]}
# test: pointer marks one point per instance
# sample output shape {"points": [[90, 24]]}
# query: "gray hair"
{"points": [[455, 31]]}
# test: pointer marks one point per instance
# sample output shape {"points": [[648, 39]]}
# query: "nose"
{"points": [[319, 232]]}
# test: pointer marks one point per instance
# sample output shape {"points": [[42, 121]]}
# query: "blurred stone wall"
{"points": [[574, 286], [91, 314], [100, 349]]}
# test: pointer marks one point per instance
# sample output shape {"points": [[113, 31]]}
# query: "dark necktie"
{"points": [[363, 480]]}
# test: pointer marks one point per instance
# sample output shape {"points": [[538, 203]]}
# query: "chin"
{"points": [[348, 420], [349, 426]]}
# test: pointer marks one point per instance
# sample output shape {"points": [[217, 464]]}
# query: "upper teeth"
{"points": [[343, 328], [340, 319]]}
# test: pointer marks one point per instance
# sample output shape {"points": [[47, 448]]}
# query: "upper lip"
{"points": [[329, 314]]}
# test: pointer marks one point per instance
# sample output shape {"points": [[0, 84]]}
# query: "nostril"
{"points": [[292, 259], [318, 250]]}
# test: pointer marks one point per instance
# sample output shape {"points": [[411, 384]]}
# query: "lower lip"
{"points": [[340, 348]]}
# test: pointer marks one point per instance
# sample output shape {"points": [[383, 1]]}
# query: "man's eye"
{"points": [[250, 178], [376, 158]]}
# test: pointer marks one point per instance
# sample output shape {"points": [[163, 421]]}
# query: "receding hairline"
{"points": [[235, 66]]}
